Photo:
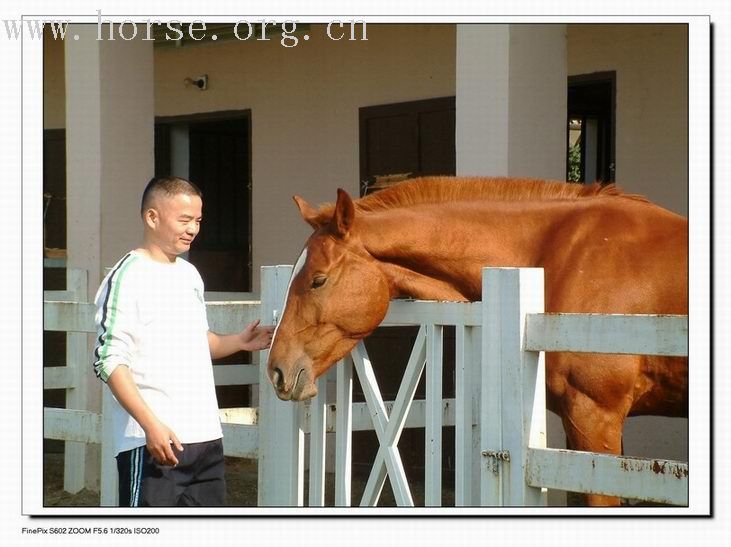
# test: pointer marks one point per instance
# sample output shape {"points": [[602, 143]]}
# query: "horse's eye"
{"points": [[318, 281]]}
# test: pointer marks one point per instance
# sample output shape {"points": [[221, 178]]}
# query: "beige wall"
{"points": [[54, 95], [304, 105], [652, 102]]}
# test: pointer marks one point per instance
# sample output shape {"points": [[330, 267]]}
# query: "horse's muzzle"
{"points": [[296, 386]]}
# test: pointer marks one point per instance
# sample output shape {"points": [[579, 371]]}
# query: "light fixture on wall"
{"points": [[201, 82]]}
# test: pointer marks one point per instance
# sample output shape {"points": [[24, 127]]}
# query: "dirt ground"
{"points": [[241, 481], [53, 494]]}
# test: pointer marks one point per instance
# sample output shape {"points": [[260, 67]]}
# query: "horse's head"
{"points": [[337, 295]]}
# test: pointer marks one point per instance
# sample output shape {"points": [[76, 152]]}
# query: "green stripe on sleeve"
{"points": [[112, 317]]}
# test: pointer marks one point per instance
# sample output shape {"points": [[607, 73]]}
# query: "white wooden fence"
{"points": [[498, 410], [70, 378]]}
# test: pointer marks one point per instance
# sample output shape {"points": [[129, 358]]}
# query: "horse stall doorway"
{"points": [[398, 141], [591, 128], [213, 150], [54, 259]]}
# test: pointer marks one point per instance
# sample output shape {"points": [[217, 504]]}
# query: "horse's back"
{"points": [[618, 255]]}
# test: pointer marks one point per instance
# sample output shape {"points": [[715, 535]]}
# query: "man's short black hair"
{"points": [[170, 186]]}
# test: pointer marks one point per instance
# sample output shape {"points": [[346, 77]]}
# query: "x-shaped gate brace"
{"points": [[388, 429]]}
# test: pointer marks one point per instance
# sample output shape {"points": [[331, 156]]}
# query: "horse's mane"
{"points": [[448, 189]]}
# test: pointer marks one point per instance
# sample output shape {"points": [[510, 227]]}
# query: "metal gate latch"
{"points": [[497, 457]]}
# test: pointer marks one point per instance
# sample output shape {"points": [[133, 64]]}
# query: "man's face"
{"points": [[178, 222]]}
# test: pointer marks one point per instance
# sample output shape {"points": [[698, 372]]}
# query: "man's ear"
{"points": [[344, 215], [150, 217], [310, 215]]}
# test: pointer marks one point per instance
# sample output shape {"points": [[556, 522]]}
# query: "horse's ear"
{"points": [[344, 215], [309, 213]]}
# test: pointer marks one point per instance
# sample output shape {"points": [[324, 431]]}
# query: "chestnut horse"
{"points": [[603, 251]]}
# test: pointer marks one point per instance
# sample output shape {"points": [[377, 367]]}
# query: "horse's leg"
{"points": [[593, 394], [590, 427]]}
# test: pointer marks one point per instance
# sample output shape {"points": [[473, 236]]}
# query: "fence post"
{"points": [[467, 447], [476, 376], [513, 386], [318, 426], [433, 417], [344, 432], [109, 477], [281, 439], [108, 490], [76, 363]]}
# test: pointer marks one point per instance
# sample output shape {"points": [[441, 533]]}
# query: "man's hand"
{"points": [[255, 338], [157, 434], [159, 439], [252, 338]]}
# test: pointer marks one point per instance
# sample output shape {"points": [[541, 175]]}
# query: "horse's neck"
{"points": [[437, 252]]}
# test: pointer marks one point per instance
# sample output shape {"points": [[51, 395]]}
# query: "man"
{"points": [[154, 351]]}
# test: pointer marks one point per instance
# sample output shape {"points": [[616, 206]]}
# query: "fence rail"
{"points": [[658, 481], [639, 334]]}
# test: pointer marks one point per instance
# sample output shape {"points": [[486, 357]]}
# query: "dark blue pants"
{"points": [[198, 479]]}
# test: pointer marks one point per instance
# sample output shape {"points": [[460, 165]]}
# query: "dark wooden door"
{"points": [[417, 138], [219, 165], [54, 237], [219, 162], [54, 188], [414, 137]]}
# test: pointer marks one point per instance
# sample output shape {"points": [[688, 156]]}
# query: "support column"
{"points": [[110, 158], [512, 114], [511, 100]]}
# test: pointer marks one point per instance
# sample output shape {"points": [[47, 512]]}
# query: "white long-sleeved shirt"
{"points": [[151, 317]]}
